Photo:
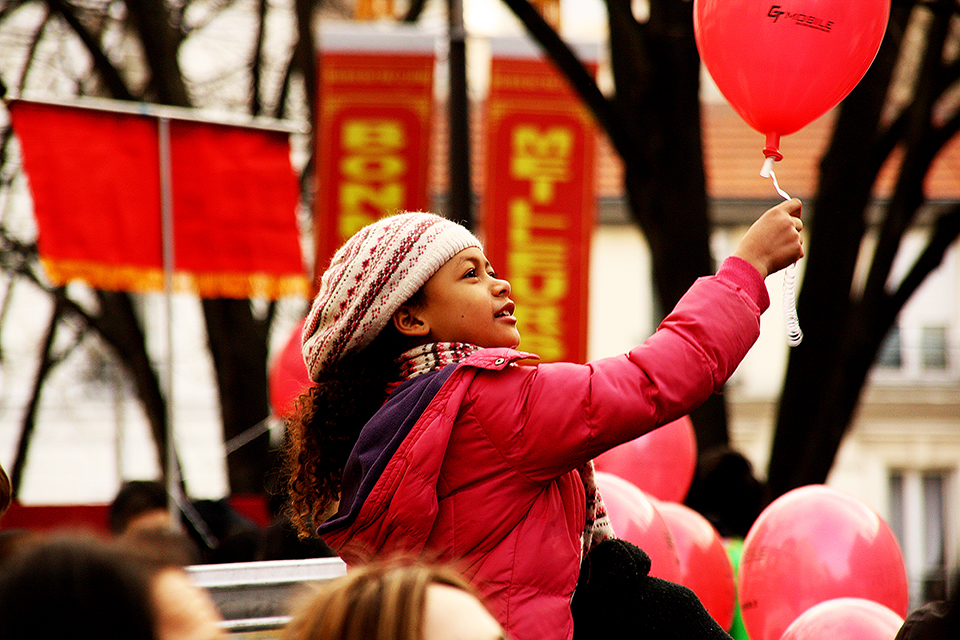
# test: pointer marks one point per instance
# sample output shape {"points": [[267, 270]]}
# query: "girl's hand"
{"points": [[773, 241]]}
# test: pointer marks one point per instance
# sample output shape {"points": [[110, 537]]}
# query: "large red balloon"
{"points": [[704, 565], [288, 374], [635, 519], [845, 619], [661, 463], [781, 65], [814, 544]]}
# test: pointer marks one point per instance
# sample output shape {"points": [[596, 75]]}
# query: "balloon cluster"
{"points": [[643, 483], [817, 563]]}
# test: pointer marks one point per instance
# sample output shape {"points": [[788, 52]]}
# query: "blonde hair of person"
{"points": [[380, 601]]}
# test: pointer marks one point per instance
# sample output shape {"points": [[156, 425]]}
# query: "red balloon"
{"points": [[782, 65], [635, 519], [288, 374], [705, 567], [661, 463], [845, 619], [814, 544]]}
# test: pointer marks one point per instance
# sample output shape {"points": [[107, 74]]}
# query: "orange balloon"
{"points": [[288, 374], [635, 519], [661, 462], [704, 564]]}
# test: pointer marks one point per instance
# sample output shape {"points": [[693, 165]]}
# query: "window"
{"points": [[933, 348], [918, 519], [921, 353], [891, 354]]}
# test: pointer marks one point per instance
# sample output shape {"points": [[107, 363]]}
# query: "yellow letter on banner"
{"points": [[542, 157]]}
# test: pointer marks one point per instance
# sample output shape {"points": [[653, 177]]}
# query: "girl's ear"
{"points": [[408, 323]]}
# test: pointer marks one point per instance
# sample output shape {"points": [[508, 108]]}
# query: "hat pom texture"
{"points": [[371, 276]]}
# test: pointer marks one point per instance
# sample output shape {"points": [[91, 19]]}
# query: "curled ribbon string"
{"points": [[794, 333]]}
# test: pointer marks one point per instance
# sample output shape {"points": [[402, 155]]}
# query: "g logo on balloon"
{"points": [[783, 64]]}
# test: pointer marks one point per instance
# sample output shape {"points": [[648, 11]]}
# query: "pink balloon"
{"points": [[814, 544], [845, 619], [288, 374], [704, 564], [661, 463], [635, 519], [782, 65]]}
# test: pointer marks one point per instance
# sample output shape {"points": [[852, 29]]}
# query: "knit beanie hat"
{"points": [[371, 276]]}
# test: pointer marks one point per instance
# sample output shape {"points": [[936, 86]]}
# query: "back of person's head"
{"points": [[726, 491], [74, 587], [6, 492], [138, 503], [393, 601], [161, 546]]}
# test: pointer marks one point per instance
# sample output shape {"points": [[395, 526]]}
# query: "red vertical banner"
{"points": [[539, 202], [375, 108]]}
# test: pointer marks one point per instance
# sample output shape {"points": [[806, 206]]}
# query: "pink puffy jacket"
{"points": [[477, 463]]}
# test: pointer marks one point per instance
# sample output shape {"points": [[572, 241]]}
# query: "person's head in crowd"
{"points": [[6, 492], [66, 586], [183, 611], [393, 601], [726, 491], [215, 530], [161, 546], [78, 586], [139, 504], [12, 539]]}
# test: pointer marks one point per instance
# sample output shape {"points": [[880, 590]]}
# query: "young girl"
{"points": [[428, 434]]}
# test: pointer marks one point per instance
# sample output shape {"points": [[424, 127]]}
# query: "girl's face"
{"points": [[465, 302]]}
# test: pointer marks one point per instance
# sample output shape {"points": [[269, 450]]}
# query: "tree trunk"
{"points": [[238, 345], [844, 325]]}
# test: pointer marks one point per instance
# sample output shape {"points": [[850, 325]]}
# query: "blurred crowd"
{"points": [[133, 584]]}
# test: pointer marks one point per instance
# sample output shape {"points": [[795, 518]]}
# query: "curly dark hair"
{"points": [[326, 423]]}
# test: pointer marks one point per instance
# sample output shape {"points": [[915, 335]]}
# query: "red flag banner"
{"points": [[373, 143], [95, 179], [539, 201]]}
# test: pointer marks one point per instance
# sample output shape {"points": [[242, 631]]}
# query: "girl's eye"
{"points": [[492, 274], [472, 273]]}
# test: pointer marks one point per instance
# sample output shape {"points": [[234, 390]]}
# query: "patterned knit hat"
{"points": [[371, 276]]}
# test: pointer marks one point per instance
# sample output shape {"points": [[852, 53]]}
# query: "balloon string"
{"points": [[794, 334]]}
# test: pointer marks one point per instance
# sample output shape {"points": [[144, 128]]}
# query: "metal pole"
{"points": [[166, 221], [460, 189]]}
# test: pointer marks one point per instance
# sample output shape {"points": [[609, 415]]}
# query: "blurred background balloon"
{"points": [[635, 519], [845, 619], [704, 565], [288, 374], [661, 463], [814, 544]]}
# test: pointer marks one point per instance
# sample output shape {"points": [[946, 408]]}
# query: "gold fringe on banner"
{"points": [[149, 280]]}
